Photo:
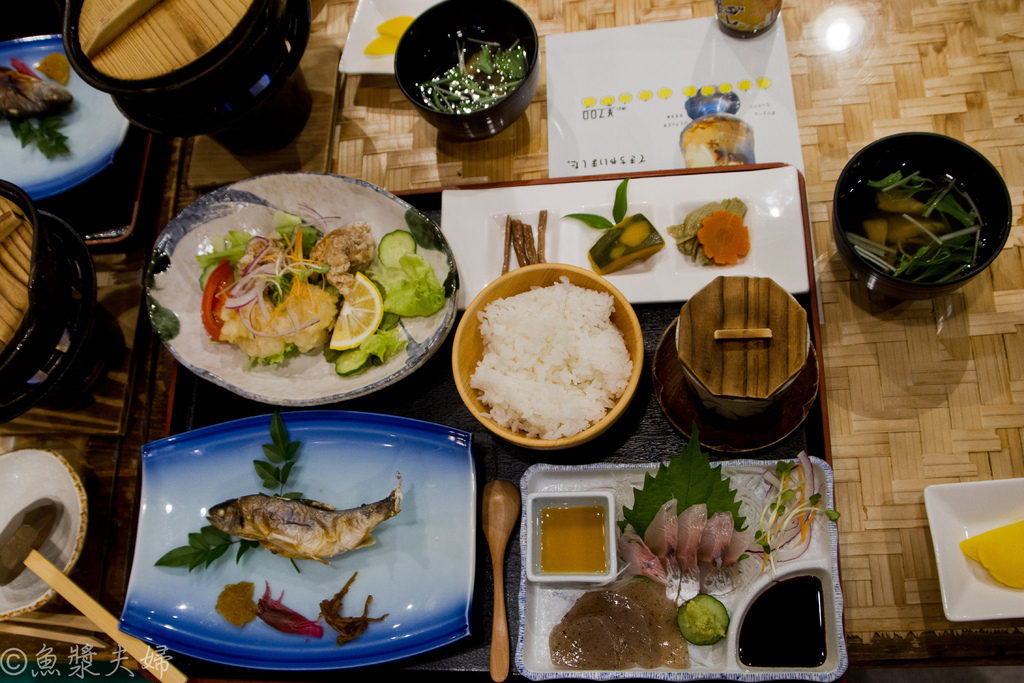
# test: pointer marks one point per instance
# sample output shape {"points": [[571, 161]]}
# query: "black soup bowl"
{"points": [[431, 46], [950, 164]]}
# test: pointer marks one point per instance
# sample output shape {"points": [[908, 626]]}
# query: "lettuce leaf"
{"points": [[411, 289], [232, 247], [690, 479]]}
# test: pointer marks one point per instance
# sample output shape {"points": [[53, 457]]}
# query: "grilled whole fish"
{"points": [[22, 96], [305, 529]]}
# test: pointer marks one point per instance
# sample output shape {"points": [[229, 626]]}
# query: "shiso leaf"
{"points": [[690, 479]]}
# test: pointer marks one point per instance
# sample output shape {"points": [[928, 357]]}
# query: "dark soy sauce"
{"points": [[785, 626]]}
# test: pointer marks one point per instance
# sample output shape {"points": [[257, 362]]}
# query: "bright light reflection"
{"points": [[168, 508], [839, 28]]}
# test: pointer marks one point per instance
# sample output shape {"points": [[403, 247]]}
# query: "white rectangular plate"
{"points": [[956, 512], [541, 606], [474, 223], [369, 15]]}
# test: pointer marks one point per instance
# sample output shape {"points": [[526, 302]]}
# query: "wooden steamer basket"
{"points": [[742, 342], [192, 67], [60, 349]]}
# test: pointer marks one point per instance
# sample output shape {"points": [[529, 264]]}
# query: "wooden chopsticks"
{"points": [[67, 620]]}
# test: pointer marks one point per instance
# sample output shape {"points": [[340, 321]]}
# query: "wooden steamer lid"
{"points": [[153, 38], [742, 341]]}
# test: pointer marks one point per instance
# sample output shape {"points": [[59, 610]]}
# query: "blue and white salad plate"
{"points": [[93, 124], [420, 570], [174, 296]]}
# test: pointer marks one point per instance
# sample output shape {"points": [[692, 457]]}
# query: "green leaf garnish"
{"points": [[591, 219], [44, 134], [619, 208], [690, 479]]}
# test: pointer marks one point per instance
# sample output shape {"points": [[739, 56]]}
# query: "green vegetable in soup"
{"points": [[479, 80], [919, 229]]}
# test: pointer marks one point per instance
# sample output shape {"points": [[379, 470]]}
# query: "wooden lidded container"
{"points": [[189, 67], [742, 342]]}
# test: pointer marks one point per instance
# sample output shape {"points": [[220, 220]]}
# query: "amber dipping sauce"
{"points": [[572, 540]]}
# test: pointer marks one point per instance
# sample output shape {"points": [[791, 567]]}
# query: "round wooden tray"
{"points": [[684, 410]]}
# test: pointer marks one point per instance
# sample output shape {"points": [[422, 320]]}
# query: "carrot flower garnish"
{"points": [[724, 237]]}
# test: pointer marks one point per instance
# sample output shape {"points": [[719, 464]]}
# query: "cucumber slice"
{"points": [[352, 361], [703, 620], [205, 275], [394, 245]]}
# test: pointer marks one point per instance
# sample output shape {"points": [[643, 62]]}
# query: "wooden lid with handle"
{"points": [[742, 337], [143, 39]]}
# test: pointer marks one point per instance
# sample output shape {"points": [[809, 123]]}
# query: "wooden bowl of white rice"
{"points": [[548, 356]]}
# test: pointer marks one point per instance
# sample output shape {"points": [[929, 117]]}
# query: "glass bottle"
{"points": [[746, 18]]}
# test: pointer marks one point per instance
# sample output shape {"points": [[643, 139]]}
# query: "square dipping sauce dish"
{"points": [[577, 527]]}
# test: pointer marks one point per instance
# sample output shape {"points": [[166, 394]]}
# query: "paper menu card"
{"points": [[620, 98]]}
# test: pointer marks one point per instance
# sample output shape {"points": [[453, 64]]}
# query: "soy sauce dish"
{"points": [[916, 215]]}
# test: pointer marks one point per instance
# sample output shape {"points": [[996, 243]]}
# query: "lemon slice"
{"points": [[360, 314]]}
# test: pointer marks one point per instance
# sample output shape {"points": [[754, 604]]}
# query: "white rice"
{"points": [[553, 362]]}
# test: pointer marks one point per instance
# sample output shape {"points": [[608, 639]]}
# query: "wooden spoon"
{"points": [[502, 503]]}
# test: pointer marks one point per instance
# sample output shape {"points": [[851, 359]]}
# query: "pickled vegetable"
{"points": [[632, 239]]}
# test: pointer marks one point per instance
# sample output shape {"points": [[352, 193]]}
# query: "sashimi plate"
{"points": [[419, 571], [474, 223], [93, 124], [328, 202], [542, 606]]}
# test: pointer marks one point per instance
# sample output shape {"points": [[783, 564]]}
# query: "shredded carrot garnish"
{"points": [[724, 237]]}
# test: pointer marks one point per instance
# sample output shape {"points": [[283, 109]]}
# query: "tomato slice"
{"points": [[214, 295]]}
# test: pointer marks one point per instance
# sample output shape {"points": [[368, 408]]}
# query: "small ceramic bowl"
{"points": [[538, 509], [469, 347], [29, 477], [428, 48], [935, 156]]}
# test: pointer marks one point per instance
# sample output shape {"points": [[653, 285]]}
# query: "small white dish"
{"points": [[28, 476], [955, 513], [537, 503], [369, 15]]}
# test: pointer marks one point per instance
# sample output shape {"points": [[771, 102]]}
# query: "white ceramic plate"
{"points": [[419, 570], [94, 126], [27, 476], [369, 15], [956, 512], [474, 223], [249, 205], [541, 606]]}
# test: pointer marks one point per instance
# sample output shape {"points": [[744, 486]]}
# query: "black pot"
{"points": [[60, 350], [247, 88], [428, 48]]}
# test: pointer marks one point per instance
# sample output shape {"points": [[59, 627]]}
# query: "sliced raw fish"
{"points": [[716, 538], [737, 546], [641, 561], [690, 526], [662, 534]]}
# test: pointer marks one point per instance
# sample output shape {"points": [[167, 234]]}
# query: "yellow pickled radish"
{"points": [[1001, 552], [382, 45], [395, 26]]}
